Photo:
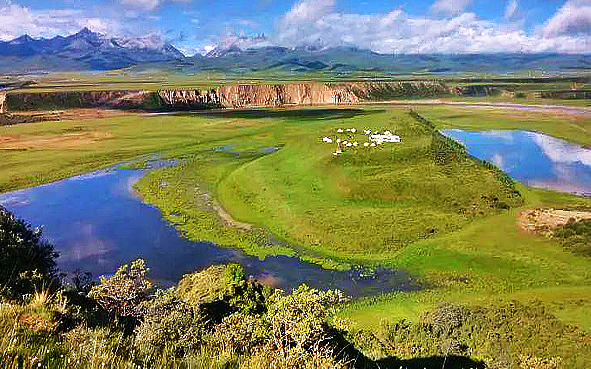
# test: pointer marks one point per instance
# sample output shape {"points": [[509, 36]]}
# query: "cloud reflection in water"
{"points": [[539, 160], [97, 223]]}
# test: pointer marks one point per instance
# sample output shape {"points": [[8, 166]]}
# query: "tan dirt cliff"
{"points": [[255, 96], [237, 96], [2, 100]]}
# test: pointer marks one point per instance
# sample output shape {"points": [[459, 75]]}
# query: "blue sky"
{"points": [[387, 26]]}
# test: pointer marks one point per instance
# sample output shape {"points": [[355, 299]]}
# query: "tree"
{"points": [[27, 262]]}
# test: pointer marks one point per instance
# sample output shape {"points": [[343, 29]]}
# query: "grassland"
{"points": [[47, 151], [418, 206], [347, 216], [156, 80], [478, 259]]}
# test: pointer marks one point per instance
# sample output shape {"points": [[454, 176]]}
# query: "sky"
{"points": [[385, 26]]}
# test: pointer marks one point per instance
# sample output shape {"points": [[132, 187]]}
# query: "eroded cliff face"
{"points": [[72, 99], [2, 101], [254, 96], [237, 96], [188, 99]]}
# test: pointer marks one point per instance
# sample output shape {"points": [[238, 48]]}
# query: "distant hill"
{"points": [[87, 50], [353, 59]]}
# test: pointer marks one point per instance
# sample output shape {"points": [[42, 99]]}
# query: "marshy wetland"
{"points": [[424, 206]]}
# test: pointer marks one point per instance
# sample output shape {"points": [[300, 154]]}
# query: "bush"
{"points": [[95, 348], [122, 293], [257, 328], [27, 262], [501, 334], [240, 334], [299, 319], [171, 328], [295, 357], [575, 236], [223, 290]]}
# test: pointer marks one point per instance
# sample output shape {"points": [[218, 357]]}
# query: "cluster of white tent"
{"points": [[384, 137], [375, 139]]}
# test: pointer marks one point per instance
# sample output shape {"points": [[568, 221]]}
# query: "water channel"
{"points": [[97, 223]]}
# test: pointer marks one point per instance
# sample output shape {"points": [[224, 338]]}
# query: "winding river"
{"points": [[97, 223]]}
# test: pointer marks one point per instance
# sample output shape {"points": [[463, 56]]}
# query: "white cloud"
{"points": [[141, 4], [243, 41], [505, 135], [316, 23], [570, 164], [560, 151], [574, 18], [295, 22], [450, 7], [245, 23], [16, 20], [498, 161], [306, 10], [147, 5], [512, 10]]}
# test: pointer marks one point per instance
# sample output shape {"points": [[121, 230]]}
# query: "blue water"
{"points": [[97, 223], [538, 160]]}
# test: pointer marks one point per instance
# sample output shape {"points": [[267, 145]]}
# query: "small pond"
{"points": [[538, 160], [97, 223]]}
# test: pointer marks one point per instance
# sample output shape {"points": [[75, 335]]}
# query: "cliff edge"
{"points": [[232, 96]]}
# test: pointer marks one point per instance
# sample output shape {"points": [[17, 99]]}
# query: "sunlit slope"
{"points": [[366, 201]]}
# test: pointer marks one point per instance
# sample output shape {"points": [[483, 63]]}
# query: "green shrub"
{"points": [[224, 286], [122, 293], [575, 236], [170, 328], [299, 319], [96, 348], [240, 334], [27, 261], [257, 327], [317, 357], [503, 335]]}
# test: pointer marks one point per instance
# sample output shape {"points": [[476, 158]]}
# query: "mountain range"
{"points": [[87, 50]]}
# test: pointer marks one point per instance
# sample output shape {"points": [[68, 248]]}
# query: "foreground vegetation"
{"points": [[218, 318]]}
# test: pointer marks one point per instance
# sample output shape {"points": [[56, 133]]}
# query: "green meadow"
{"points": [[257, 178]]}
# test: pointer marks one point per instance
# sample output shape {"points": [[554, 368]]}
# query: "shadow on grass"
{"points": [[291, 114], [452, 361], [352, 355]]}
